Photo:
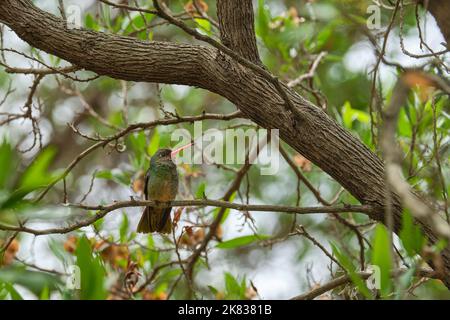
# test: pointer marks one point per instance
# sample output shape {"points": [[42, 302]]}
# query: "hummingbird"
{"points": [[161, 184]]}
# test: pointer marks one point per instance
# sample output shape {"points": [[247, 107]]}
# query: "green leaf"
{"points": [[152, 255], [12, 291], [213, 290], [115, 175], [324, 35], [3, 292], [138, 21], [348, 265], [440, 245], [262, 22], [116, 118], [154, 143], [411, 235], [345, 261], [243, 286], [204, 26], [381, 257], [165, 139], [91, 271], [404, 124], [45, 294], [241, 241], [232, 287], [106, 16], [227, 211], [14, 199], [99, 223], [169, 275], [37, 175], [405, 280], [90, 22], [138, 143], [349, 115], [123, 231], [200, 191], [6, 163], [32, 280]]}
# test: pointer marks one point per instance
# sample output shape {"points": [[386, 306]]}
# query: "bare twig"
{"points": [[347, 279]]}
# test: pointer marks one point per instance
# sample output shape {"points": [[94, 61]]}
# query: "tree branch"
{"points": [[103, 210], [237, 27], [335, 283], [116, 56]]}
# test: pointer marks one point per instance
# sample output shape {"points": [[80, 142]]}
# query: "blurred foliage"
{"points": [[114, 260]]}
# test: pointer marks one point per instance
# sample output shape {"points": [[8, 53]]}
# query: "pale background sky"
{"points": [[281, 276]]}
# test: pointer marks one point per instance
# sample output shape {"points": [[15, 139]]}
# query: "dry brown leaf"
{"points": [[148, 295], [199, 235], [100, 245], [191, 238], [10, 253], [325, 296], [177, 215], [131, 276], [219, 232], [421, 82], [139, 183], [186, 240], [190, 7], [113, 254], [71, 244], [293, 13], [220, 295], [250, 293], [302, 162]]}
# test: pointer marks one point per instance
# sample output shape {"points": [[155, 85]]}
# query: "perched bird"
{"points": [[161, 184]]}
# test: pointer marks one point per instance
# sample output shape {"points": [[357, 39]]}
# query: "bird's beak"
{"points": [[174, 152]]}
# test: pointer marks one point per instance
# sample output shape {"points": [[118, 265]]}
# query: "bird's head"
{"points": [[162, 155], [166, 155]]}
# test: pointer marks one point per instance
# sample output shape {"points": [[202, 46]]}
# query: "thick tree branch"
{"points": [[116, 56], [237, 30], [251, 88]]}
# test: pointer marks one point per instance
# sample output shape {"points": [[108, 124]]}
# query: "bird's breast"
{"points": [[163, 185]]}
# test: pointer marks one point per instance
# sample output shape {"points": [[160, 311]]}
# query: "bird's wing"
{"points": [[147, 176]]}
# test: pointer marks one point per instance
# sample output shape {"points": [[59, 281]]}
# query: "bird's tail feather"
{"points": [[155, 220]]}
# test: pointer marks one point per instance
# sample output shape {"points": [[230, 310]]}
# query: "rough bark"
{"points": [[315, 135], [237, 30]]}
